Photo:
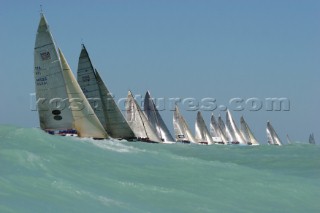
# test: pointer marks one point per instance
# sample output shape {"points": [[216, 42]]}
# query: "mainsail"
{"points": [[235, 133], [102, 101], [61, 103], [181, 128], [51, 91], [202, 134], [247, 133], [215, 131], [139, 122], [155, 119], [272, 136], [225, 133], [311, 139]]}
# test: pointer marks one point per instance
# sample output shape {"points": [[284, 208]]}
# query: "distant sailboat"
{"points": [[225, 132], [61, 104], [288, 139], [202, 134], [102, 101], [139, 122], [155, 119], [273, 138], [234, 131], [247, 133], [181, 128], [311, 139], [215, 132]]}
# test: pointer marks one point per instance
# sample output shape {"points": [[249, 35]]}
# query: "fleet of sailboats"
{"points": [[84, 107]]}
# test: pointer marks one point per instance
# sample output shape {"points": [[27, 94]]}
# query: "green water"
{"points": [[44, 173]]}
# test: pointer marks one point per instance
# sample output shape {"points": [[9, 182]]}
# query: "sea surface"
{"points": [[45, 173]]}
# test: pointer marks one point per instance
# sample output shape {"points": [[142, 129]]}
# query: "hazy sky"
{"points": [[177, 48]]}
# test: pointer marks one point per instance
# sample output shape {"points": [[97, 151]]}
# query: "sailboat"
{"points": [[102, 100], [202, 134], [288, 139], [273, 138], [155, 119], [225, 132], [234, 131], [311, 139], [181, 128], [247, 133], [139, 123], [63, 108], [215, 132]]}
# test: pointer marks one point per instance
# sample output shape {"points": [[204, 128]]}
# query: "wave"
{"points": [[45, 173]]}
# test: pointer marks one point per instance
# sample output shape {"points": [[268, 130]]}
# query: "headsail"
{"points": [[273, 138], [236, 135], [311, 139], [85, 120], [102, 101], [247, 133], [51, 92], [155, 119], [181, 128], [201, 131], [139, 122]]}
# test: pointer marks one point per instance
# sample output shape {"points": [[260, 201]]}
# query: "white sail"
{"points": [[225, 133], [215, 131], [181, 128], [115, 121], [155, 119], [236, 135], [51, 92], [269, 137], [202, 134], [288, 139], [311, 139], [272, 136], [247, 133], [87, 80], [85, 120], [102, 101], [139, 122]]}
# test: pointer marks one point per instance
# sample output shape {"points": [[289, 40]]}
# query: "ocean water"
{"points": [[44, 173]]}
